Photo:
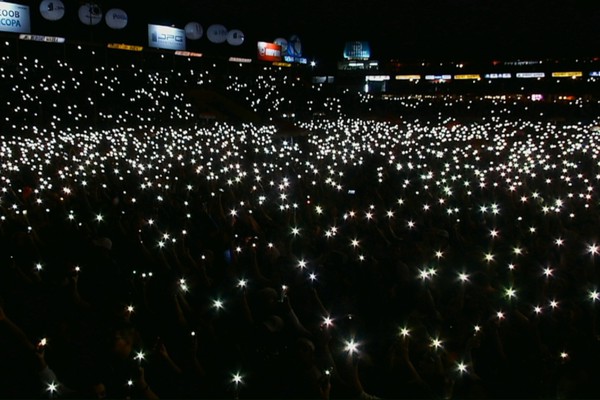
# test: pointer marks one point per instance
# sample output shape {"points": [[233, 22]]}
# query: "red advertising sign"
{"points": [[269, 51]]}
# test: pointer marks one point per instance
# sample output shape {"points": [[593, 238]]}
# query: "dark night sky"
{"points": [[402, 29]]}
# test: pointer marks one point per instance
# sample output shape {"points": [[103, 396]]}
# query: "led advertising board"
{"points": [[464, 77], [530, 75], [269, 51], [166, 37], [14, 18], [567, 74], [357, 51], [408, 77], [504, 75]]}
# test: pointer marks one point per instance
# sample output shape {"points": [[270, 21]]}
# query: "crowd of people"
{"points": [[148, 254]]}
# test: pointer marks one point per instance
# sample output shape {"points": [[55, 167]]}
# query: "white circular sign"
{"points": [[193, 31], [90, 14], [116, 18], [216, 33], [281, 42], [235, 37], [52, 10]]}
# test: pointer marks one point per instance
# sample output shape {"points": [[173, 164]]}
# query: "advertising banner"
{"points": [[166, 37], [14, 18], [530, 75], [269, 52], [567, 74]]}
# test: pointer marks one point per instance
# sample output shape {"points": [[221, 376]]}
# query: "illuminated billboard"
{"points": [[165, 37], [438, 77], [464, 77], [377, 78], [504, 75], [42, 38], [408, 77], [14, 18], [269, 51], [530, 75], [567, 74], [357, 51]]}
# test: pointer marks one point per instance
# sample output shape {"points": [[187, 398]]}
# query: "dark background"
{"points": [[401, 29]]}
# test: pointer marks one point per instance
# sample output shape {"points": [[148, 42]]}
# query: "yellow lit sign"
{"points": [[121, 46], [567, 74], [281, 64], [467, 77], [408, 77]]}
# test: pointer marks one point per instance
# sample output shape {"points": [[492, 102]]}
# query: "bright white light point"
{"points": [[354, 243], [312, 276], [52, 387], [548, 272], [140, 356], [302, 264], [463, 277], [564, 355], [236, 378], [351, 346], [411, 224], [593, 249], [327, 321], [461, 367], [439, 254], [553, 304], [500, 315], [436, 343], [404, 332], [38, 267], [510, 293], [218, 304], [494, 233], [559, 242], [489, 257], [99, 218], [517, 250], [319, 210], [130, 383], [130, 309], [537, 309], [242, 283], [594, 295], [295, 231], [477, 328]]}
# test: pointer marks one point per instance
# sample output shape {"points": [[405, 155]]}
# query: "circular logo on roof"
{"points": [[116, 18], [193, 30], [217, 33], [90, 14], [235, 37], [52, 10]]}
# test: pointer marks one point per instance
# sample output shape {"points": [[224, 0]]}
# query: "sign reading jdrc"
{"points": [[14, 18]]}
